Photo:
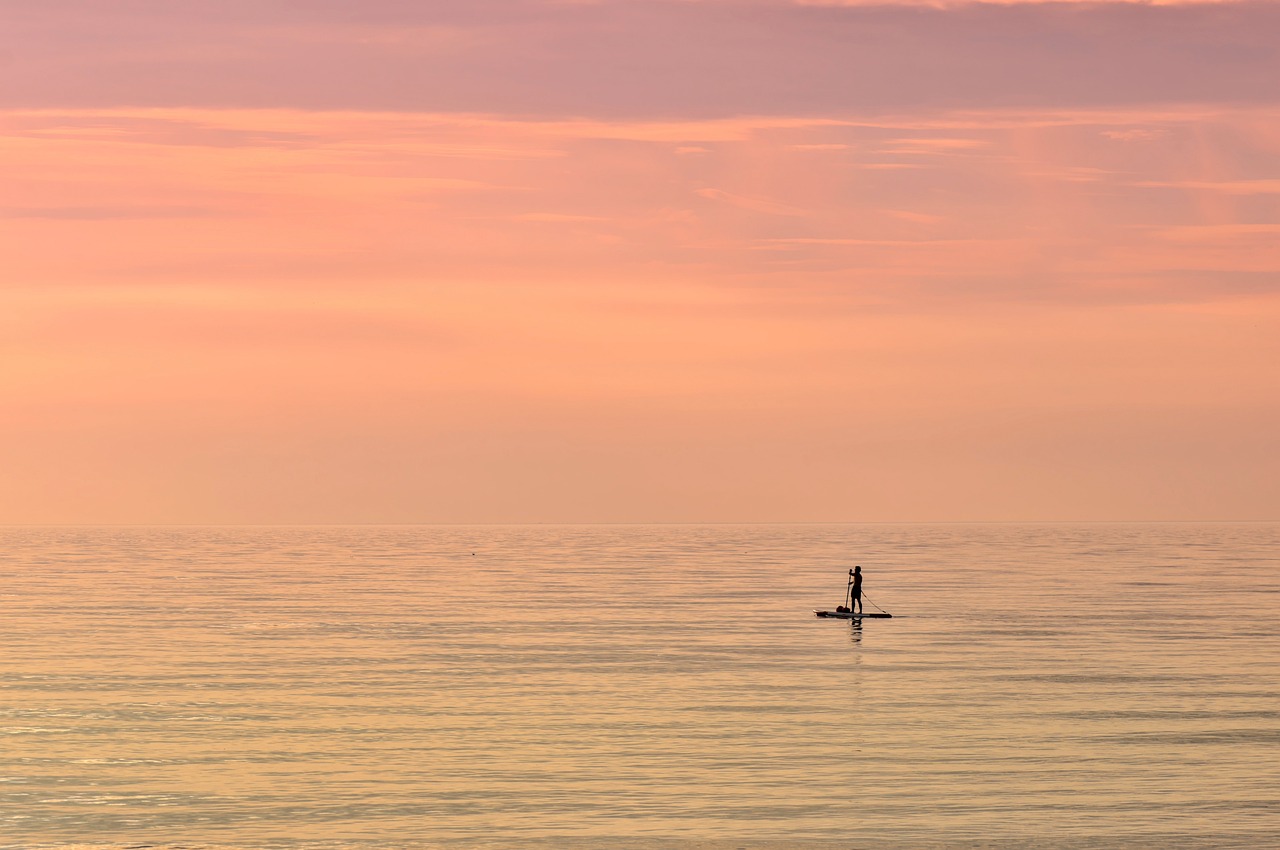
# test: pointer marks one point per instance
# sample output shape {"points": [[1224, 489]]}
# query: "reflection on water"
{"points": [[645, 687]]}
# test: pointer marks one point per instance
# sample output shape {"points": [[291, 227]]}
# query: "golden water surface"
{"points": [[1055, 686]]}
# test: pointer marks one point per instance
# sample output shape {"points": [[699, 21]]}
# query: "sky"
{"points": [[638, 261]]}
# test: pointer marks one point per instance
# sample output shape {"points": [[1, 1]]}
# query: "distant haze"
{"points": [[633, 260]]}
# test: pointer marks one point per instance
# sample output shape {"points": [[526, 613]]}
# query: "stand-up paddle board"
{"points": [[849, 615]]}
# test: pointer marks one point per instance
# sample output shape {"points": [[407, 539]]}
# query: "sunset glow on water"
{"points": [[639, 686]]}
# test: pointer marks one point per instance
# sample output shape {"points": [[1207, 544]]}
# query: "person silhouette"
{"points": [[855, 590]]}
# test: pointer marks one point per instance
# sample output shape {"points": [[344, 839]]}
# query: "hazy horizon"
{"points": [[680, 523]]}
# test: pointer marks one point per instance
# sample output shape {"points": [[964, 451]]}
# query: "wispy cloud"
{"points": [[755, 204], [106, 213], [1265, 186], [1036, 206], [638, 59]]}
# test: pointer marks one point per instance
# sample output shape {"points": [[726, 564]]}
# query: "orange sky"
{"points": [[276, 300]]}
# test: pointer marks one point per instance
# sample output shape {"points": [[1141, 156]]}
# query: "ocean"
{"points": [[656, 687]]}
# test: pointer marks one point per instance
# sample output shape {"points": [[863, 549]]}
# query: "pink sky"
{"points": [[639, 261]]}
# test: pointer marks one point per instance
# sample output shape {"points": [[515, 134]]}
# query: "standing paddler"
{"points": [[855, 590], [853, 598]]}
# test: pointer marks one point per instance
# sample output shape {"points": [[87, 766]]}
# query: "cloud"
{"points": [[879, 243], [107, 213], [469, 304], [932, 145], [1135, 134], [763, 205], [946, 4], [918, 217], [1267, 186], [1022, 207], [636, 59], [558, 218]]}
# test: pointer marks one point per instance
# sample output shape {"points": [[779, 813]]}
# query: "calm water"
{"points": [[1051, 686]]}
